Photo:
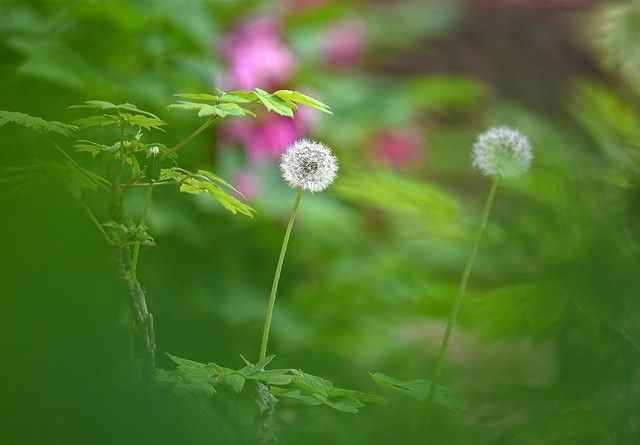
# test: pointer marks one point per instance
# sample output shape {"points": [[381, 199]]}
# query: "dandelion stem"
{"points": [[462, 289], [276, 278], [189, 138], [143, 219]]}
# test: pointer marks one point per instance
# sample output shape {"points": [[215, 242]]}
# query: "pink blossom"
{"points": [[257, 56], [267, 137], [345, 43], [398, 148], [246, 182]]}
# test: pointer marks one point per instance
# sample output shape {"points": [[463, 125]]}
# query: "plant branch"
{"points": [[189, 138], [96, 222], [143, 219]]}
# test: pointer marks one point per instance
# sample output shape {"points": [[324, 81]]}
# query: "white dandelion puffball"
{"points": [[309, 165], [502, 152]]}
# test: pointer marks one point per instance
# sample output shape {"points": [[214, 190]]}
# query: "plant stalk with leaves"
{"points": [[127, 171]]}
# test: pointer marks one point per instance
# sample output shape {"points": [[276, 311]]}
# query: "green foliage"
{"points": [[36, 123], [282, 102], [611, 120], [419, 390], [124, 114], [128, 233], [396, 194], [619, 24], [206, 182], [445, 93], [292, 384]]}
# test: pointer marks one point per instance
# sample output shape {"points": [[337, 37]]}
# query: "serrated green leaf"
{"points": [[99, 104], [36, 123], [311, 383], [299, 98], [351, 406], [94, 148], [274, 103], [279, 377], [104, 105], [232, 378], [206, 182], [98, 121], [297, 395], [233, 109], [142, 121], [237, 96]]}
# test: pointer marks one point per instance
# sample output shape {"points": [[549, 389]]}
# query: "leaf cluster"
{"points": [[205, 182], [234, 103], [35, 123], [118, 115], [207, 379]]}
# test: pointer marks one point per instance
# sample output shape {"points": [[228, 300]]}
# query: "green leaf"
{"points": [[206, 182], [303, 99], [311, 383], [97, 121], [231, 378], [104, 105], [419, 390], [238, 96], [142, 121], [96, 104], [36, 123], [94, 148], [220, 110], [279, 377], [275, 103], [297, 395], [198, 96]]}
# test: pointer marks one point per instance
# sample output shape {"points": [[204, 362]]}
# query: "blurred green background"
{"points": [[548, 347]]}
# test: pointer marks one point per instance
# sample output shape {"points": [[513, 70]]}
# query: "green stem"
{"points": [[189, 138], [143, 219], [276, 278], [462, 289], [96, 222]]}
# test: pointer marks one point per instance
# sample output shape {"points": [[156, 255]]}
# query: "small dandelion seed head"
{"points": [[502, 152], [309, 165]]}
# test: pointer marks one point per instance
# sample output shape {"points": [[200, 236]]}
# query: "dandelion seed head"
{"points": [[308, 165], [502, 152]]}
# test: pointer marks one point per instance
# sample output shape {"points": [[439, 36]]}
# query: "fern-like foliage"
{"points": [[235, 103], [117, 115], [206, 379], [206, 182], [35, 123]]}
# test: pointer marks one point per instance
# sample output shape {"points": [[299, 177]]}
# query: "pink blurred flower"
{"points": [[257, 56], [399, 148], [345, 43], [247, 183], [267, 137]]}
